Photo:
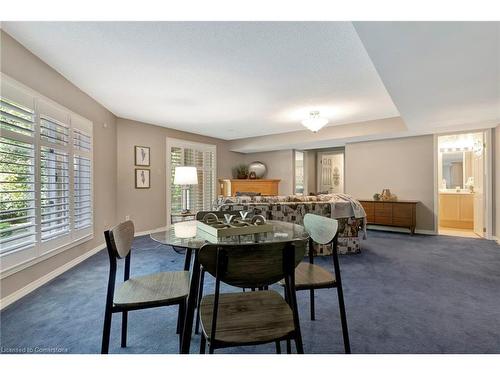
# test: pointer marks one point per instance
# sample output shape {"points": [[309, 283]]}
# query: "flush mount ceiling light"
{"points": [[314, 122]]}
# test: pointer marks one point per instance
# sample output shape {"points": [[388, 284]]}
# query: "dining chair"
{"points": [[309, 276], [199, 217], [252, 317], [142, 292]]}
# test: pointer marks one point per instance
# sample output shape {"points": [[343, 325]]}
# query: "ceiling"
{"points": [[224, 79], [238, 80], [440, 75]]}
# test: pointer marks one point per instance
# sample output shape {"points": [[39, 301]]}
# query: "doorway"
{"points": [[462, 185], [330, 171]]}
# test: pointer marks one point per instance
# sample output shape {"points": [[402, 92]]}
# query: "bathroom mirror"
{"points": [[457, 168]]}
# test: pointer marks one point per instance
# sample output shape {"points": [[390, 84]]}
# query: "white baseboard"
{"points": [[401, 230], [161, 229], [11, 298]]}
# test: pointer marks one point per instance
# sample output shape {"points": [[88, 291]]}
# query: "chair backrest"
{"points": [[321, 229], [120, 239], [252, 265]]}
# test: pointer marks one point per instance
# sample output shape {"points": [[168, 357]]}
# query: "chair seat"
{"points": [[311, 276], [247, 318], [156, 289]]}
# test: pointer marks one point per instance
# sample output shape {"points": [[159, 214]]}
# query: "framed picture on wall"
{"points": [[142, 178], [142, 156]]}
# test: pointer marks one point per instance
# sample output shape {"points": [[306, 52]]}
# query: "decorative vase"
{"points": [[252, 175]]}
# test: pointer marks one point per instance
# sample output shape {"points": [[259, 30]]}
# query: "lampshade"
{"points": [[185, 176], [314, 122]]}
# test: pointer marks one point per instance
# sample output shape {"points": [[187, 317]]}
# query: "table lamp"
{"points": [[185, 176]]}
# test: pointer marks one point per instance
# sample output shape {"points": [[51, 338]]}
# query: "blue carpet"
{"points": [[419, 294]]}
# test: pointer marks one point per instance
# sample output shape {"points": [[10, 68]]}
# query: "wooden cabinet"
{"points": [[456, 210], [229, 187], [391, 213]]}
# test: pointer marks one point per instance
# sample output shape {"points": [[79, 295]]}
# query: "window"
{"points": [[203, 157], [45, 176], [299, 172]]}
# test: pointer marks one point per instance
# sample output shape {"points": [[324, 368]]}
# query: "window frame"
{"points": [[43, 107], [181, 143]]}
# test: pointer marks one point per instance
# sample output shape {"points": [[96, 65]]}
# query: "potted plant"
{"points": [[240, 171]]}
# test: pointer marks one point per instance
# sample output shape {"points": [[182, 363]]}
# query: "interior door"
{"points": [[331, 172], [478, 174]]}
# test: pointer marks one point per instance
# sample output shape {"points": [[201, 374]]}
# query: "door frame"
{"points": [[488, 179]]}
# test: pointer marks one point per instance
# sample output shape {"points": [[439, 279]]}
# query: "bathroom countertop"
{"points": [[455, 192]]}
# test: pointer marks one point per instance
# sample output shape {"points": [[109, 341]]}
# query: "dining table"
{"points": [[186, 235]]}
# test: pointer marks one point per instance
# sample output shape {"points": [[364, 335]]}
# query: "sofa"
{"points": [[292, 208]]}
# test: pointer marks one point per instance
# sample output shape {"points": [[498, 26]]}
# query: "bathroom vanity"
{"points": [[456, 209]]}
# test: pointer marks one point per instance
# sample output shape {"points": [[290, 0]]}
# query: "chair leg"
{"points": [[203, 344], [180, 320], [311, 294], [211, 349], [178, 329], [180, 317], [288, 346], [198, 302], [106, 331], [343, 320], [124, 328], [278, 347], [298, 345]]}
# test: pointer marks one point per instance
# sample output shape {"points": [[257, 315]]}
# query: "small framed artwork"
{"points": [[142, 178], [142, 156]]}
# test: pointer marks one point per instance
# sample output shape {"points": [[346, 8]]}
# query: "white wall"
{"points": [[403, 165]]}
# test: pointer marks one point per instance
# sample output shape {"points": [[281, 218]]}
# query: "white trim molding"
{"points": [[161, 229], [400, 230], [11, 298]]}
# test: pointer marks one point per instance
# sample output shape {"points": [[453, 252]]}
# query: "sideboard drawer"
{"points": [[383, 209], [383, 220], [402, 210]]}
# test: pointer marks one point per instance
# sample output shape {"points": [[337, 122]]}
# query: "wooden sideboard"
{"points": [[391, 213], [229, 187]]}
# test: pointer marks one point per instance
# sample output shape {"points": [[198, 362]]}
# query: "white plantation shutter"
{"points": [[81, 140], [17, 171], [17, 195], [45, 176], [203, 157], [82, 192], [82, 175], [54, 193], [175, 204], [53, 131]]}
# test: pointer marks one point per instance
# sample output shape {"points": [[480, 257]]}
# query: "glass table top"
{"points": [[187, 235]]}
